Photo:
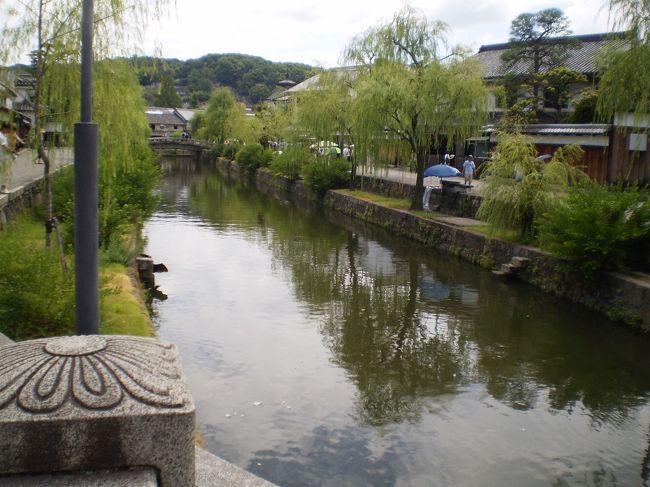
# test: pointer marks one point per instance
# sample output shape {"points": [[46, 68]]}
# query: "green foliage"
{"points": [[167, 96], [36, 299], [120, 250], [624, 85], [198, 120], [215, 123], [530, 32], [597, 228], [405, 95], [324, 173], [291, 161], [253, 156], [328, 108], [251, 78], [274, 123], [217, 150], [539, 43], [131, 199], [521, 113], [230, 150], [517, 187], [557, 83], [585, 108], [243, 128], [126, 169]]}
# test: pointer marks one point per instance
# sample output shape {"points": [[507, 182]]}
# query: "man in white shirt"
{"points": [[5, 153]]}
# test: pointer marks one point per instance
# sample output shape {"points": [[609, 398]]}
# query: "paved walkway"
{"points": [[405, 176], [24, 168]]}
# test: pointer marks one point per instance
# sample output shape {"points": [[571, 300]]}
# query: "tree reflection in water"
{"points": [[403, 342], [409, 325]]}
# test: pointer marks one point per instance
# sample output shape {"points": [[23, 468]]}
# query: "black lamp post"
{"points": [[86, 226]]}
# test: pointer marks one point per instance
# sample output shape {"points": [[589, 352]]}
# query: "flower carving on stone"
{"points": [[90, 372]]}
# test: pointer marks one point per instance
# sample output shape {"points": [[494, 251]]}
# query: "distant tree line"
{"points": [[251, 78]]}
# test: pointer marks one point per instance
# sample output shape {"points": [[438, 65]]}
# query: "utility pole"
{"points": [[86, 220]]}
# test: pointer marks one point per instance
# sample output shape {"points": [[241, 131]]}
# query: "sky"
{"points": [[316, 32]]}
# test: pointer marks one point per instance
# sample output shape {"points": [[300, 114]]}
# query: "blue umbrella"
{"points": [[441, 171]]}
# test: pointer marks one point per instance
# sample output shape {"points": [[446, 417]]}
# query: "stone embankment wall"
{"points": [[24, 180], [27, 196], [621, 297], [453, 201]]}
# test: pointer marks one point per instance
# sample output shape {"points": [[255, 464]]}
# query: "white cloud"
{"points": [[316, 32]]}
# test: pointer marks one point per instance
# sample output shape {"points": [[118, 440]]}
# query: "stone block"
{"points": [[135, 477], [95, 402]]}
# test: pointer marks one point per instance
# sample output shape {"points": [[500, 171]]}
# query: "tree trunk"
{"points": [[47, 188], [419, 181]]}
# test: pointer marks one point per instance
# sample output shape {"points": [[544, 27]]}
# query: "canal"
{"points": [[322, 352]]}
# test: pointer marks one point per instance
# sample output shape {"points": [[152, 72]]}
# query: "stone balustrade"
{"points": [[87, 403]]}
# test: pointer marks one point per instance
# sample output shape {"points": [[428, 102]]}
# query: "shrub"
{"points": [[217, 150], [128, 199], [596, 227], [291, 162], [36, 299], [324, 174], [518, 187], [253, 156], [230, 150], [585, 108]]}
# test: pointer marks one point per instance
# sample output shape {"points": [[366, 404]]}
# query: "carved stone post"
{"points": [[87, 403]]}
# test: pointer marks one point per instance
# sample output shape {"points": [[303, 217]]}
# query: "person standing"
{"points": [[6, 154], [468, 169], [347, 154]]}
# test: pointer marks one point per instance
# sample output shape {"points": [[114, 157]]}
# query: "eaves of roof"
{"points": [[583, 58]]}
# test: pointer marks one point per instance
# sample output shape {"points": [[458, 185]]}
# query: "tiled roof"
{"points": [[582, 58], [310, 83], [167, 116], [560, 129]]}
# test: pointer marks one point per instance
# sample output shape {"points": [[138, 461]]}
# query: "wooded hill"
{"points": [[252, 78]]}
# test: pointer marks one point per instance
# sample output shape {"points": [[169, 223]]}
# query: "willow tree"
{"points": [[216, 119], [409, 92], [517, 186], [325, 112], [127, 174], [625, 85], [51, 31]]}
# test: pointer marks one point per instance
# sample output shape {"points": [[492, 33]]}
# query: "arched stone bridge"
{"points": [[175, 146]]}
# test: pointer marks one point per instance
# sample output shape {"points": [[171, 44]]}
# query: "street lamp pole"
{"points": [[86, 221]]}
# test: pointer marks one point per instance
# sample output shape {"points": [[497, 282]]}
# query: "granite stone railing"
{"points": [[105, 411], [88, 403]]}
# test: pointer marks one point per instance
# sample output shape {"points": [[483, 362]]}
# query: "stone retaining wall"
{"points": [[19, 199], [621, 297], [455, 201]]}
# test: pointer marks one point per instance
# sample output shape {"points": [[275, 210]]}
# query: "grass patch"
{"points": [[397, 203], [405, 203], [37, 300], [509, 235], [122, 309]]}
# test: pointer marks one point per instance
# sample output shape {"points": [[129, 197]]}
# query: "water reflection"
{"points": [[402, 366]]}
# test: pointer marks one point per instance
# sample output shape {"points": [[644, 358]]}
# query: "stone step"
{"points": [[519, 262]]}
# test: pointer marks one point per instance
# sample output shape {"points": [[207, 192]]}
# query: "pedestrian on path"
{"points": [[468, 169], [6, 155]]}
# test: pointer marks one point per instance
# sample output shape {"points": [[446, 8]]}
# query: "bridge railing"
{"points": [[178, 141]]}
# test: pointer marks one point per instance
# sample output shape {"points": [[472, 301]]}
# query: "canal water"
{"points": [[322, 352]]}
